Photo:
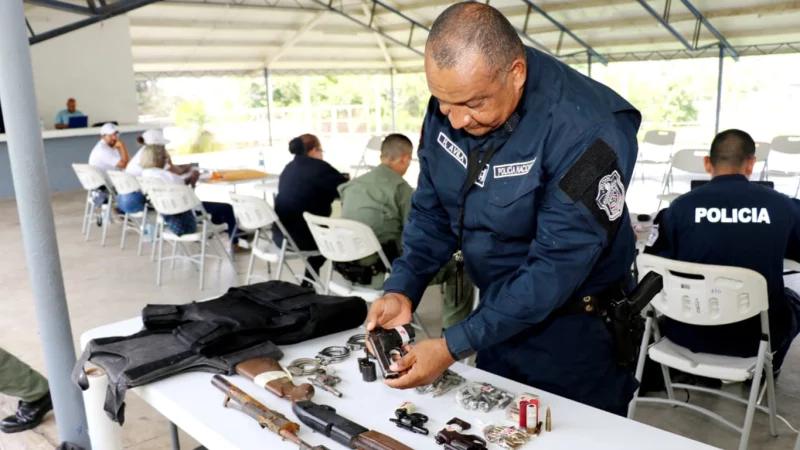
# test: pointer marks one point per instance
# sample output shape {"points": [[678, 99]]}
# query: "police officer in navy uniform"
{"points": [[733, 222], [524, 166]]}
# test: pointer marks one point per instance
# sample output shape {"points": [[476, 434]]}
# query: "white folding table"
{"points": [[193, 404]]}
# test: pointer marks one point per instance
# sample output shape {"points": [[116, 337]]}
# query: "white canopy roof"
{"points": [[316, 35]]}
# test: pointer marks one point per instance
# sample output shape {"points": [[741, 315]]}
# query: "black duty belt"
{"points": [[593, 304]]}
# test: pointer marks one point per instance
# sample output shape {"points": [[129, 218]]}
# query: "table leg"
{"points": [[173, 434]]}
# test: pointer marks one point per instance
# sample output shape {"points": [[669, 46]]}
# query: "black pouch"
{"points": [[354, 273]]}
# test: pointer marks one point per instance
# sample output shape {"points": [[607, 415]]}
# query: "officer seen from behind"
{"points": [[530, 159], [733, 222]]}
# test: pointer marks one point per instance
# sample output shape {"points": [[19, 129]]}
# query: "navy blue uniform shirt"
{"points": [[306, 185], [732, 222], [545, 223]]}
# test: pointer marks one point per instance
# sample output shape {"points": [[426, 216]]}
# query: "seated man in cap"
{"points": [[110, 152], [381, 198]]}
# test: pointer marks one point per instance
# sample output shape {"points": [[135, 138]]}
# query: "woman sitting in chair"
{"points": [[307, 184], [153, 160]]}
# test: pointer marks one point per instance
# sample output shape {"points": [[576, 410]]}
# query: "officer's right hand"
{"points": [[391, 310]]}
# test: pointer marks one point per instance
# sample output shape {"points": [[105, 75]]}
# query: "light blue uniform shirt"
{"points": [[62, 118]]}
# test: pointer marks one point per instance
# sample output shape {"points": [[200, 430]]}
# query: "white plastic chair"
{"points": [[148, 184], [253, 213], [708, 295], [374, 144], [655, 150], [342, 240], [684, 160], [785, 145], [124, 184], [170, 199], [92, 179]]}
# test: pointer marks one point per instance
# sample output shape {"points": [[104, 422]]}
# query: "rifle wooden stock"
{"points": [[372, 440], [267, 418], [252, 369]]}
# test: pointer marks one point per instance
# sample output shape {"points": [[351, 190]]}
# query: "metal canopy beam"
{"points": [[533, 41], [296, 37], [370, 13], [566, 30], [722, 41], [104, 13], [700, 19], [61, 6], [665, 24], [374, 29]]}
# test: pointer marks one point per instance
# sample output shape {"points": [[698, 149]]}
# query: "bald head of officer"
{"points": [[733, 152], [476, 66]]}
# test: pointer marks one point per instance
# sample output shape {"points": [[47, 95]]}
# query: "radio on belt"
{"points": [[388, 344]]}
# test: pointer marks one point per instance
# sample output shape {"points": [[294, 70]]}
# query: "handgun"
{"points": [[323, 419], [452, 438], [387, 344], [267, 418]]}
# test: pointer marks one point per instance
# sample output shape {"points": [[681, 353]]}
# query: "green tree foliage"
{"points": [[193, 117]]}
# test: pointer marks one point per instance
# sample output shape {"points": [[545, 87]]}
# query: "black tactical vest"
{"points": [[213, 336]]}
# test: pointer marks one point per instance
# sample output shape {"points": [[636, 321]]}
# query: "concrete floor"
{"points": [[106, 285]]}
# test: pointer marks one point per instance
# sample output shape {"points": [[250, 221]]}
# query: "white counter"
{"points": [[62, 148], [74, 132]]}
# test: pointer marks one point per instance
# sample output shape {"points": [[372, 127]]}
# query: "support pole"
{"points": [[306, 97], [719, 88], [26, 155], [589, 67], [394, 108], [379, 124], [269, 104]]}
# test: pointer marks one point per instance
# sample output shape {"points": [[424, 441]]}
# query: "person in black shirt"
{"points": [[307, 184], [732, 222]]}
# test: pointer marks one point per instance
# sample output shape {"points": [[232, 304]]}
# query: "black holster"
{"points": [[360, 274], [621, 314]]}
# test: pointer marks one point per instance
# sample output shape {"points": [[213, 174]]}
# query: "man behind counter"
{"points": [[381, 199], [63, 116], [733, 222]]}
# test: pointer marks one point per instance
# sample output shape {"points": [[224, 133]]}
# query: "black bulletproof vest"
{"points": [[215, 335]]}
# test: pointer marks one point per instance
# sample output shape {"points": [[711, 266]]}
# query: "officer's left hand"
{"points": [[422, 365]]}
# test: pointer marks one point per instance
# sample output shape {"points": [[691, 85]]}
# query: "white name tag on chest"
{"points": [[451, 148], [514, 169]]}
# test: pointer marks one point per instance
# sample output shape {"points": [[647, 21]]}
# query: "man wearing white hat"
{"points": [[110, 152]]}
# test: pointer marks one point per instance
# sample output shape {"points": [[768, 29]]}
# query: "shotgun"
{"points": [[266, 373]]}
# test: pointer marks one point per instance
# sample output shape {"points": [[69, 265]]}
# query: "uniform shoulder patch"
{"points": [[596, 181], [653, 237], [611, 195]]}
